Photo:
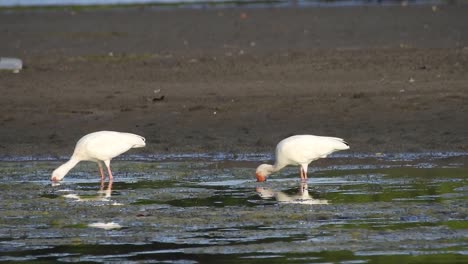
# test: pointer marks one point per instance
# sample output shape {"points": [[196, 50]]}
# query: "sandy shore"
{"points": [[387, 79]]}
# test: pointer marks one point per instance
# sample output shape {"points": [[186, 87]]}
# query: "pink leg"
{"points": [[109, 189], [107, 162], [101, 171], [304, 173], [110, 174]]}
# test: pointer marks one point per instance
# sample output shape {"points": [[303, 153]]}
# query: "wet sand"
{"points": [[387, 79]]}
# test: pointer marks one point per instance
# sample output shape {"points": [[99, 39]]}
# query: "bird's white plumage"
{"points": [[301, 150], [105, 145], [99, 147]]}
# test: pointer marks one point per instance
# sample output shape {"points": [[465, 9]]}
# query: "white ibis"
{"points": [[99, 147], [300, 150]]}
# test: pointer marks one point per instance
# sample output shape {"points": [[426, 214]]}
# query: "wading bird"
{"points": [[99, 147], [300, 150]]}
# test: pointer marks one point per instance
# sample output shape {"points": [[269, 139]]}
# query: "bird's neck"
{"points": [[67, 166], [276, 167]]}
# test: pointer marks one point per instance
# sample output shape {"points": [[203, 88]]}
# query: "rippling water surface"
{"points": [[381, 208]]}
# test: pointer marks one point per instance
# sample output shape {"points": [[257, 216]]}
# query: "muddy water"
{"points": [[354, 209]]}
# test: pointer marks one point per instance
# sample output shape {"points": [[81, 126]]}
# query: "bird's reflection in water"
{"points": [[104, 194], [301, 197]]}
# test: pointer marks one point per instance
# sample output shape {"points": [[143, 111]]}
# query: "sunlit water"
{"points": [[354, 209]]}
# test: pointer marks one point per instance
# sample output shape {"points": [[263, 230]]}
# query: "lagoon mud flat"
{"points": [[411, 208], [387, 79]]}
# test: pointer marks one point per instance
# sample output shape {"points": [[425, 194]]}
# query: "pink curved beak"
{"points": [[260, 178]]}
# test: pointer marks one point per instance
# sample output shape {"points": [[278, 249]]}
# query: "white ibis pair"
{"points": [[102, 146]]}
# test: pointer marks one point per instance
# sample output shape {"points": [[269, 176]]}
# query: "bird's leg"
{"points": [[304, 173], [107, 162], [101, 171], [109, 189], [102, 176], [102, 186]]}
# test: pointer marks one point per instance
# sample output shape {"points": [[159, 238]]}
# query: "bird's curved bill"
{"points": [[54, 179], [260, 178]]}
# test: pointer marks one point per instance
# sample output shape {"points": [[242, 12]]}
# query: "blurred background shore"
{"points": [[387, 78]]}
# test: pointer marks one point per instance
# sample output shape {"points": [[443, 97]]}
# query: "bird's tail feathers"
{"points": [[341, 144]]}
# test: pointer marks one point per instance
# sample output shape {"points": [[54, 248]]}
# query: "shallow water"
{"points": [[354, 209]]}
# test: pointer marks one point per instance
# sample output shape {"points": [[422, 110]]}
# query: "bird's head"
{"points": [[263, 171], [57, 175]]}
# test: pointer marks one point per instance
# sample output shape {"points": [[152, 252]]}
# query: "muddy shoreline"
{"points": [[387, 79]]}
